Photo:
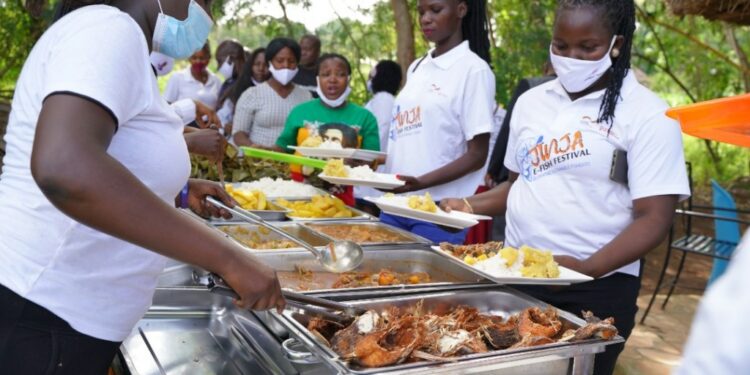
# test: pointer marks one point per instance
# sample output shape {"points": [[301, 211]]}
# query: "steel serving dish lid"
{"points": [[402, 237], [499, 301]]}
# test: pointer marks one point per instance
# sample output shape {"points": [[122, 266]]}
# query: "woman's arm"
{"points": [[492, 202], [652, 217], [244, 117], [71, 166], [474, 159]]}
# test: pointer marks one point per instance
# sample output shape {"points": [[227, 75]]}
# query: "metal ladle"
{"points": [[337, 257]]}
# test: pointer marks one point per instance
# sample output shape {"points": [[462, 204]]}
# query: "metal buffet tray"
{"points": [[405, 238], [294, 229], [196, 332], [359, 214], [443, 274], [558, 358]]}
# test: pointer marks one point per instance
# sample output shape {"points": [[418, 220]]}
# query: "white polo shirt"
{"points": [[182, 85], [563, 200], [445, 103], [97, 283]]}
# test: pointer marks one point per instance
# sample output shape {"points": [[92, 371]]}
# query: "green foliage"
{"points": [[522, 31], [735, 162], [19, 31]]}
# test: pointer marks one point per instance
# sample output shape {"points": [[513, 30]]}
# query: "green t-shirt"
{"points": [[314, 117]]}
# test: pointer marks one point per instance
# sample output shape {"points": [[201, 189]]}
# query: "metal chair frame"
{"points": [[692, 243]]}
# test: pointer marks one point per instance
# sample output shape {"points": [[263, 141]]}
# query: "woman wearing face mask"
{"points": [[230, 57], [89, 136], [261, 110], [440, 132], [253, 73], [332, 106], [563, 135], [195, 82]]}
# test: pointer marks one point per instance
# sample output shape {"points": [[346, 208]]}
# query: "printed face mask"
{"points": [[334, 103], [284, 76], [181, 38], [162, 63], [227, 69], [577, 75]]}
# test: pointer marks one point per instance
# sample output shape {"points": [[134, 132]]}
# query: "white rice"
{"points": [[276, 188]]}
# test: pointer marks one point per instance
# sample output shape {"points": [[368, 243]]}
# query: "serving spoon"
{"points": [[337, 257]]}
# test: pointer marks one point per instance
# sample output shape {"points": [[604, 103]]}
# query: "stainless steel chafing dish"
{"points": [[294, 229], [557, 358], [443, 274], [359, 215], [402, 237]]}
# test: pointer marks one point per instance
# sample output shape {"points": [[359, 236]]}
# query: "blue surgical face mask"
{"points": [[181, 38]]}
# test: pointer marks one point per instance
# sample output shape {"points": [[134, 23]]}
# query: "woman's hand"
{"points": [[573, 264], [255, 283], [412, 184], [206, 117], [207, 142], [454, 204], [198, 190]]}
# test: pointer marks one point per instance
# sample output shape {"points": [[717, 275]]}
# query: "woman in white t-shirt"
{"points": [[94, 166], [442, 118], [563, 194], [196, 81]]}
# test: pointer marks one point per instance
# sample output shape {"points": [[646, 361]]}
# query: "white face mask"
{"points": [[338, 102], [284, 76], [162, 63], [369, 86], [227, 69], [578, 75]]}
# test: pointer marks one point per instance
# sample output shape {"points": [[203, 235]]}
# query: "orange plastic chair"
{"points": [[725, 120]]}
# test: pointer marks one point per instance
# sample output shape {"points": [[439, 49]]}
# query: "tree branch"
{"points": [[699, 42], [668, 71], [741, 55], [350, 36], [287, 22]]}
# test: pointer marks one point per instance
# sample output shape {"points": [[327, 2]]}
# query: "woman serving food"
{"points": [[563, 194]]}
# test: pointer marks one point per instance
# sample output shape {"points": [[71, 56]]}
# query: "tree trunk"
{"points": [[287, 22], [404, 34], [741, 55]]}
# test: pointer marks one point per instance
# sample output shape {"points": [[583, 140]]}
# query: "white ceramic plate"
{"points": [[567, 276], [382, 181], [367, 155], [316, 152], [398, 206]]}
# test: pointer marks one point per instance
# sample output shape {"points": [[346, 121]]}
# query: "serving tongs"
{"points": [[330, 310], [337, 257]]}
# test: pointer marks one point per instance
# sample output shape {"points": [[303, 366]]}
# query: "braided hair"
{"points": [[475, 28], [619, 16]]}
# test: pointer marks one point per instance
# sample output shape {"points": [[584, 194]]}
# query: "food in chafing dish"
{"points": [[320, 206], [506, 261], [378, 339], [249, 199], [253, 238], [360, 233], [383, 278], [276, 188]]}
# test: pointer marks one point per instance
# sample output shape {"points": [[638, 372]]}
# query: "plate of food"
{"points": [[324, 152], [337, 173], [425, 209], [508, 265]]}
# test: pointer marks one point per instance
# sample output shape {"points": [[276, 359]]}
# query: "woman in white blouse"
{"points": [[384, 82], [261, 111], [196, 81]]}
